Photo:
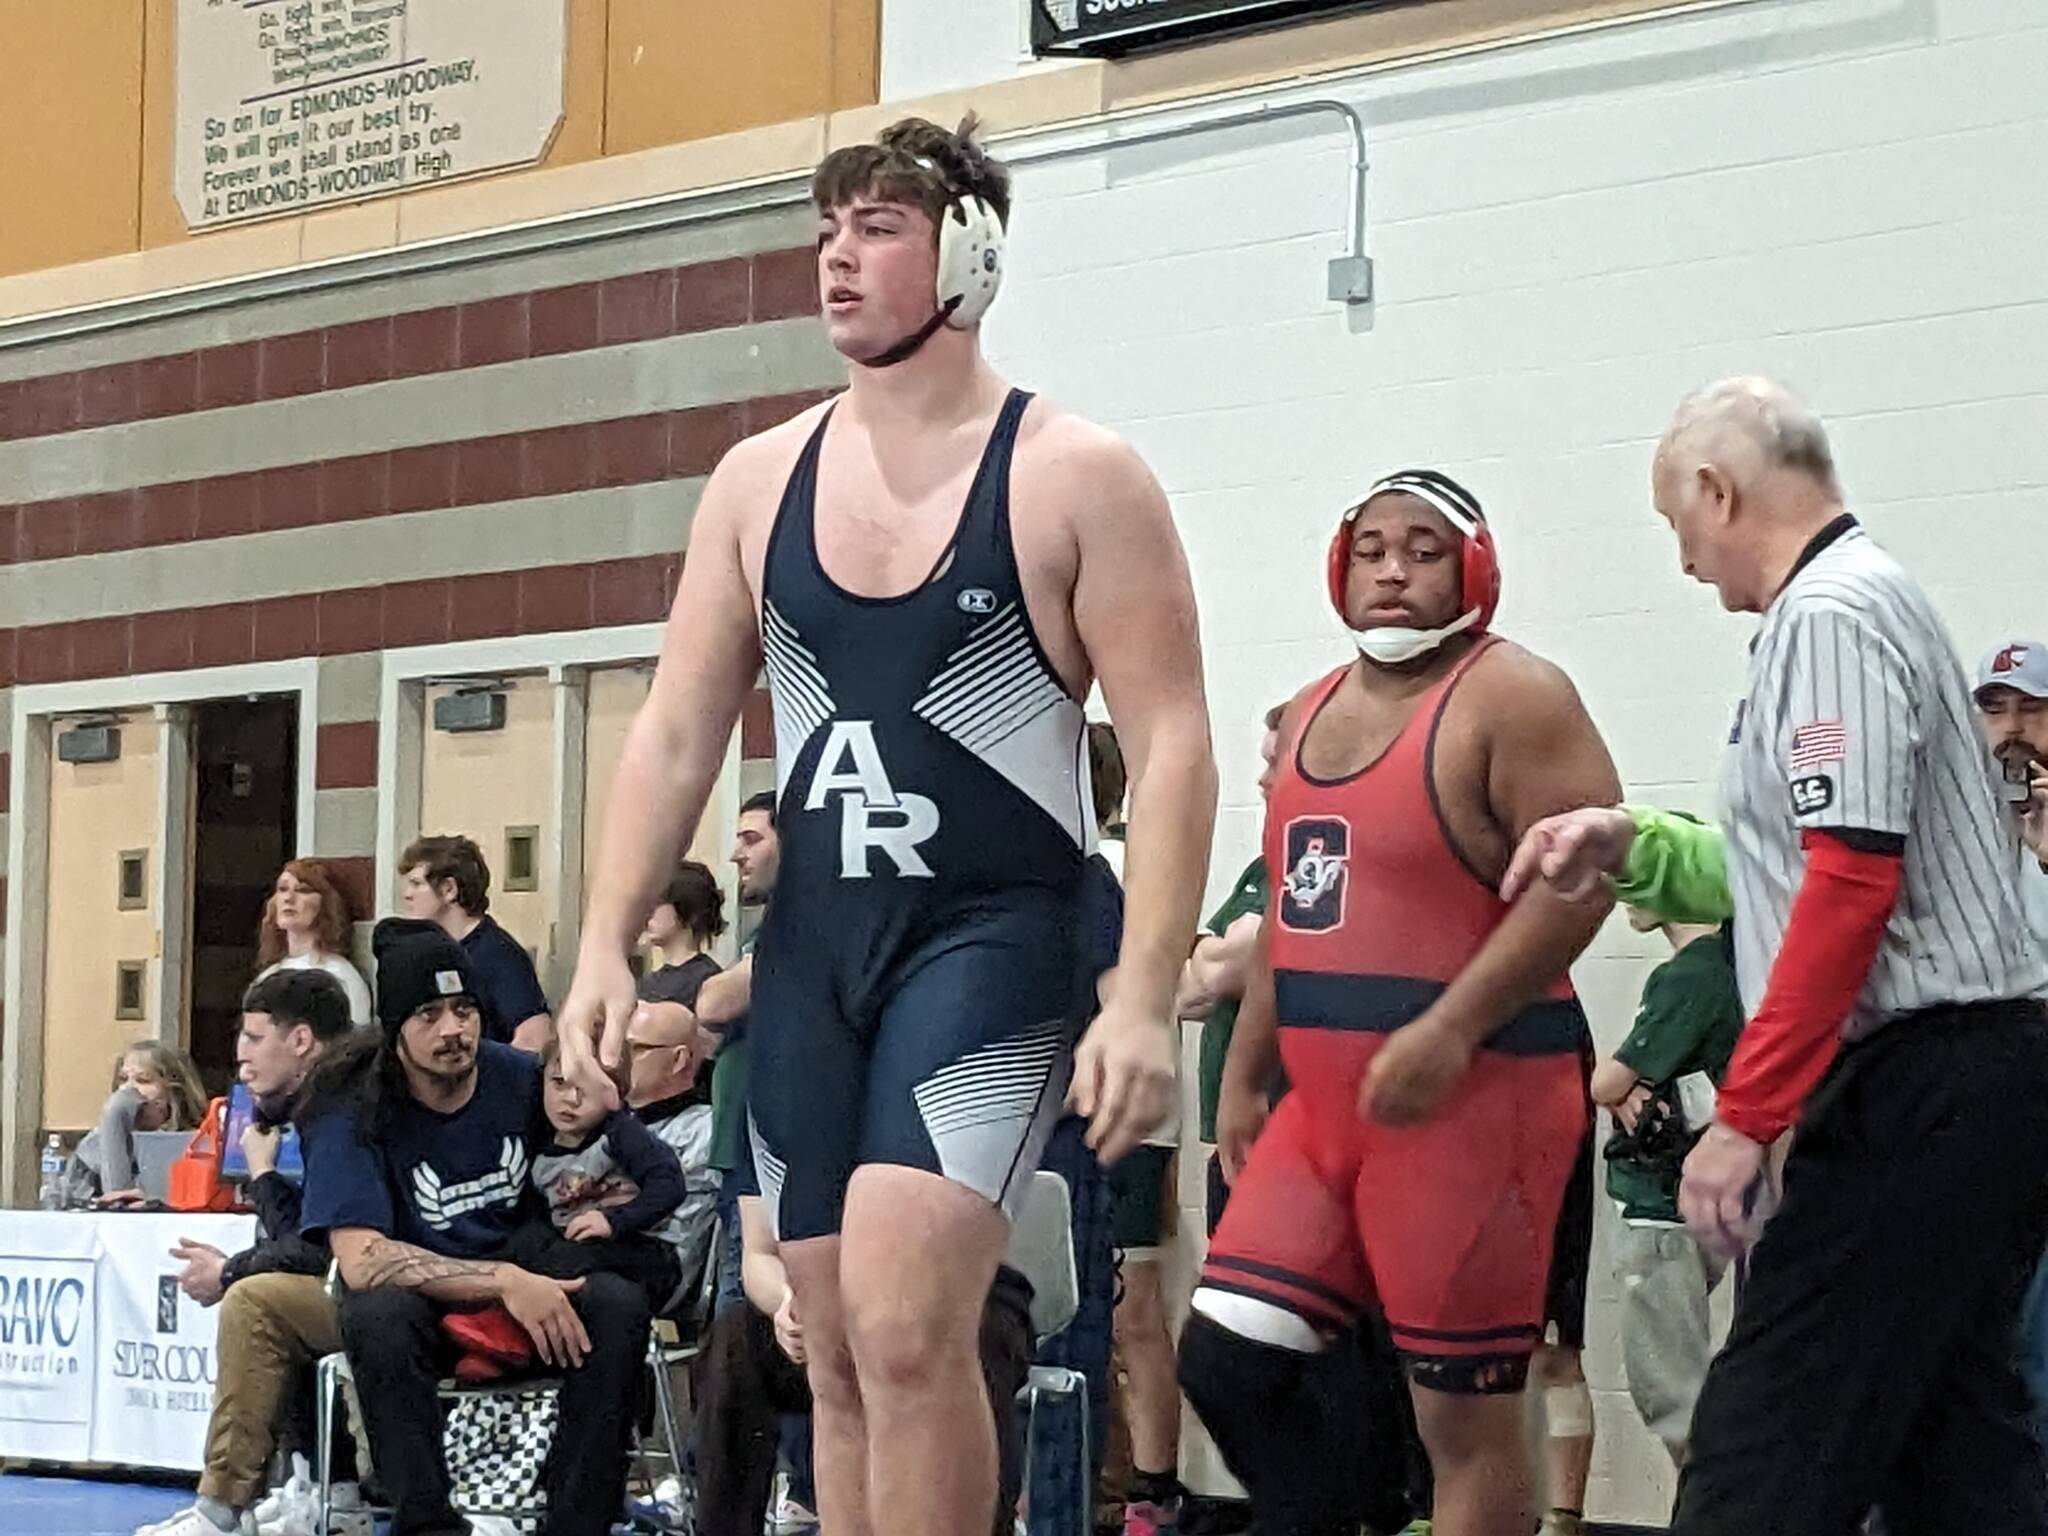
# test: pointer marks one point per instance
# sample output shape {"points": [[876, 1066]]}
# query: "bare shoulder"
{"points": [[768, 456], [741, 497], [1068, 449], [1512, 680]]}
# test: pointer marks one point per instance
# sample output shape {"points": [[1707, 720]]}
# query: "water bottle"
{"points": [[53, 1174]]}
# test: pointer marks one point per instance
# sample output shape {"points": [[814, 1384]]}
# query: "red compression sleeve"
{"points": [[1837, 923]]}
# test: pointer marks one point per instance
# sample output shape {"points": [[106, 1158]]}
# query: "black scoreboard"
{"points": [[1108, 28]]}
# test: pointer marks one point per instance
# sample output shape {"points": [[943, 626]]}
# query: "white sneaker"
{"points": [[277, 1513], [792, 1518], [492, 1525], [189, 1522]]}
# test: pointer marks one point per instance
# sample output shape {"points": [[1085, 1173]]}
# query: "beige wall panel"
{"points": [[70, 114], [478, 785], [1054, 96], [162, 223], [682, 69], [581, 136], [616, 694], [96, 811], [856, 64]]}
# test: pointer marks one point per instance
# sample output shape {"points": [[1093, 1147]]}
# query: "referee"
{"points": [[1890, 983]]}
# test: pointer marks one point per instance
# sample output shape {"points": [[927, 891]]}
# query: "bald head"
{"points": [[1745, 476], [1749, 428]]}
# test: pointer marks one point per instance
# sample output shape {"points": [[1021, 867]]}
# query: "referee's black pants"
{"points": [[1874, 1358]]}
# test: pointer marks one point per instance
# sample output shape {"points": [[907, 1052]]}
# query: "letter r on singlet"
{"points": [[872, 814]]}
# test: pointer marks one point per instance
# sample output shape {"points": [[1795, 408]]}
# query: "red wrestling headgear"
{"points": [[1479, 589]]}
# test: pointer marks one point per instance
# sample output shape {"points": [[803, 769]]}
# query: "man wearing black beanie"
{"points": [[419, 1181]]}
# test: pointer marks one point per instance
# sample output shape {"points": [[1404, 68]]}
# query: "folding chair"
{"points": [[1042, 1250], [692, 1324], [334, 1376]]}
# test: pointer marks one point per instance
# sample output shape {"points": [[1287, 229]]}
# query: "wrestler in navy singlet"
{"points": [[916, 986]]}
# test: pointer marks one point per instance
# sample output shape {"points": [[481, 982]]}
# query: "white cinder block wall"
{"points": [[1568, 235]]}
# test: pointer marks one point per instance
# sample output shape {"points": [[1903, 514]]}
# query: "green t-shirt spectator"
{"points": [[1689, 1021], [1250, 895]]}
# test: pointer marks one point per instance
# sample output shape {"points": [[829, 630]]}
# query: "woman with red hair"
{"points": [[306, 927]]}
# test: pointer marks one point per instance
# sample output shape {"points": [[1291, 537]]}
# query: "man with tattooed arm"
{"points": [[418, 1176]]}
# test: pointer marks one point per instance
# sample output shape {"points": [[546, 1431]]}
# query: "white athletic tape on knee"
{"points": [[1568, 1411], [1260, 1321]]}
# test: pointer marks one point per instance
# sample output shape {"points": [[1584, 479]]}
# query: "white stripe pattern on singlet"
{"points": [[997, 696], [992, 687], [971, 1106], [796, 689], [1859, 718]]}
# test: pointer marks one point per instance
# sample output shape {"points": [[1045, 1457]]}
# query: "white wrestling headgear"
{"points": [[970, 273]]}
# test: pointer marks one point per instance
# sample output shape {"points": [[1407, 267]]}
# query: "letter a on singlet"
{"points": [[872, 814]]}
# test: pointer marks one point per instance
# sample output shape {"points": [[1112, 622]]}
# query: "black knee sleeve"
{"points": [[1296, 1448]]}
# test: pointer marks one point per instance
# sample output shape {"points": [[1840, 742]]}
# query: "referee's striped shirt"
{"points": [[1859, 719]]}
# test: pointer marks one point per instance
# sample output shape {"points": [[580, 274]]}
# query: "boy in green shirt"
{"points": [[1658, 1086]]}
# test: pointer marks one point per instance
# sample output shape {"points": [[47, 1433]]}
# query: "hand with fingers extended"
{"points": [[1123, 1078], [1573, 853], [542, 1307], [594, 1021]]}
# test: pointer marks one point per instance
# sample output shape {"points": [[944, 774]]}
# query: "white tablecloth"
{"points": [[102, 1357]]}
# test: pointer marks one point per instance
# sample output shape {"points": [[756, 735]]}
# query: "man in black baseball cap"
{"points": [[420, 1182]]}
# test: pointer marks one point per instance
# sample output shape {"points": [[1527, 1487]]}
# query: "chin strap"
{"points": [[909, 346], [1392, 644]]}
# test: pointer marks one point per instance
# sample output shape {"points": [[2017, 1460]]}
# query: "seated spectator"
{"points": [[156, 1088], [609, 1183], [754, 1371], [276, 1317], [665, 1090], [307, 926], [446, 881], [417, 1175]]}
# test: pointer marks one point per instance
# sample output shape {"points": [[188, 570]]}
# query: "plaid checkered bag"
{"points": [[497, 1443]]}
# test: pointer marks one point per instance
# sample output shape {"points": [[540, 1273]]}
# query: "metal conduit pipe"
{"points": [[1350, 274]]}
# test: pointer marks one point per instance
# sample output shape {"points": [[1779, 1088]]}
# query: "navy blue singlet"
{"points": [[916, 984]]}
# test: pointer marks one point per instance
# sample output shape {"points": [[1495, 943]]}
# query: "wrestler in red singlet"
{"points": [[1428, 1030], [1448, 1223]]}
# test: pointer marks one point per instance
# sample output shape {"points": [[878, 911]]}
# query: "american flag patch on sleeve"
{"points": [[1825, 741]]}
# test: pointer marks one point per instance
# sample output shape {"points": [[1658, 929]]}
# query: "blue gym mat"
{"points": [[70, 1506]]}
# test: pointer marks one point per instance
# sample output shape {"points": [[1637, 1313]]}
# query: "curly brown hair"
{"points": [[915, 161], [331, 929]]}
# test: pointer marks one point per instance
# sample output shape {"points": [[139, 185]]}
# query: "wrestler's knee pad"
{"points": [[1274, 1434], [1225, 1374]]}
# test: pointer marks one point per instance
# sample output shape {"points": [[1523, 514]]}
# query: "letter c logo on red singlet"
{"points": [[1318, 866]]}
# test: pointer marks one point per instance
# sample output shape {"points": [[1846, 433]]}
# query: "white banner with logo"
{"points": [[153, 1384], [102, 1357], [48, 1305]]}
